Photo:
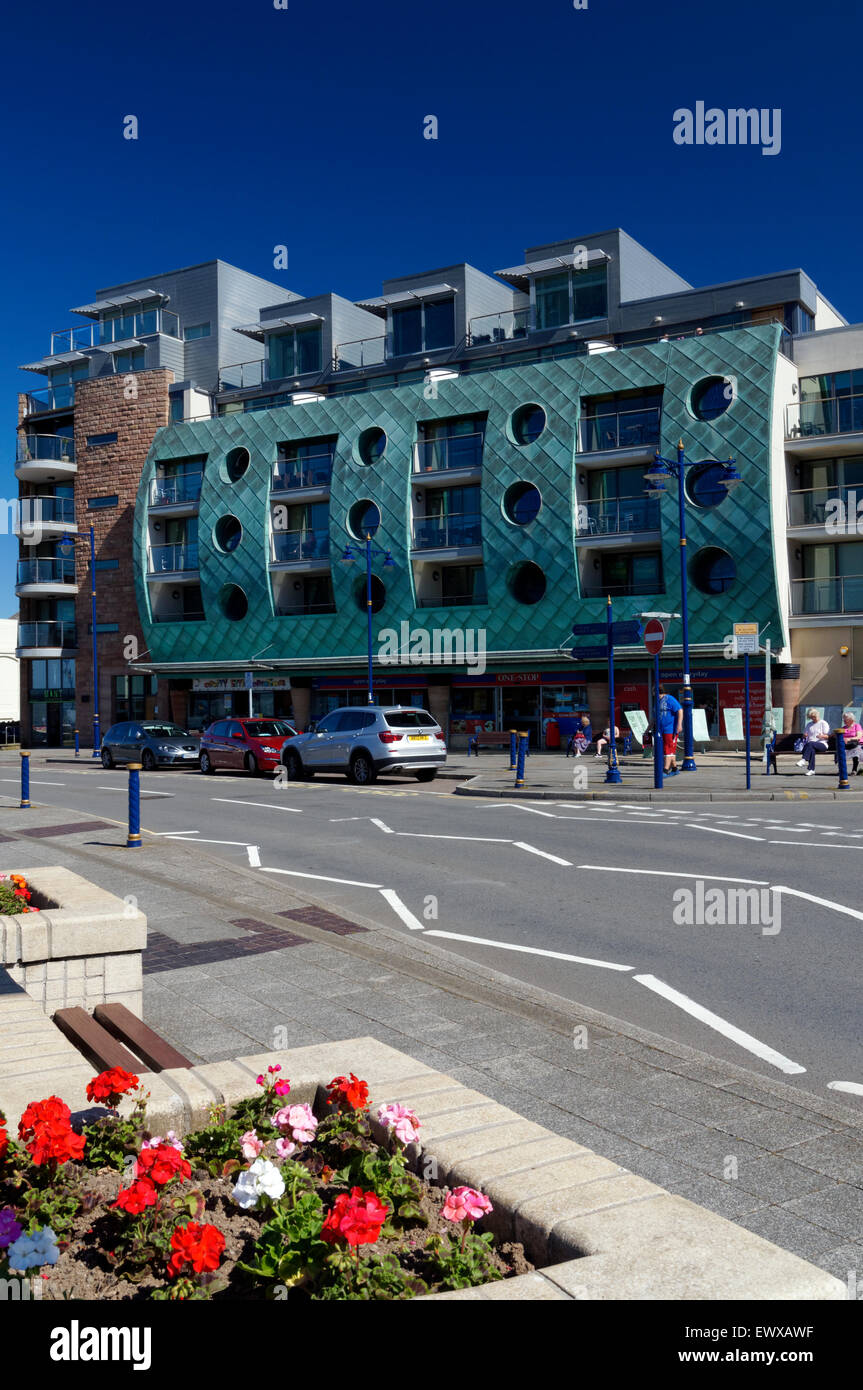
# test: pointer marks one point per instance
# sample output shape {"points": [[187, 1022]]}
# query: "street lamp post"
{"points": [[65, 547], [657, 477], [348, 558]]}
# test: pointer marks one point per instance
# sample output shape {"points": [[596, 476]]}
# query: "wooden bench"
{"points": [[101, 1038], [94, 1042], [487, 739], [122, 1024]]}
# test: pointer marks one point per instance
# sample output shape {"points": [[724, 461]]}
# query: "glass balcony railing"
{"points": [[814, 506], [499, 328], [620, 429], [636, 588], [241, 375], [300, 545], [831, 415], [314, 471], [172, 559], [836, 594], [193, 616], [35, 511], [52, 448], [302, 610], [185, 487], [365, 352], [49, 634], [455, 451], [46, 571], [50, 398], [431, 533], [617, 516], [143, 324], [478, 600]]}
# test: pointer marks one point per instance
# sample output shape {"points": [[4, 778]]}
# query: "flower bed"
{"points": [[15, 895], [271, 1199]]}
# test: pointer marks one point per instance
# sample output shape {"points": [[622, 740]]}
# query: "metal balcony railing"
{"points": [[314, 471], [634, 589], [172, 559], [476, 600], [53, 448], [365, 352], [35, 511], [300, 545], [617, 516], [238, 376], [836, 594], [184, 487], [143, 324], [830, 415], [815, 506], [431, 533], [620, 429], [191, 617], [301, 610], [453, 451], [47, 634], [46, 571], [499, 328]]}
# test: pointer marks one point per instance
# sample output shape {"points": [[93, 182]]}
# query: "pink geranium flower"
{"points": [[285, 1147], [466, 1204], [298, 1121], [250, 1145], [402, 1121]]}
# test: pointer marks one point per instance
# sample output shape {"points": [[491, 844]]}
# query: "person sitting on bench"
{"points": [[606, 736], [815, 736], [853, 735], [581, 739]]}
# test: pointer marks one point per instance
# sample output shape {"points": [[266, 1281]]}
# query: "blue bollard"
{"points": [[134, 839], [513, 741], [77, 744], [522, 753], [842, 760], [25, 781]]}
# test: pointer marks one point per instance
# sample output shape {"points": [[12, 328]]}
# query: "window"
{"points": [[630, 574], [552, 301], [130, 361], [711, 397], [227, 533], [295, 352], [177, 408], [130, 696], [456, 443], [364, 518], [197, 330], [107, 564], [428, 326], [704, 485], [522, 503], [95, 441], [620, 421], [100, 503], [712, 570], [329, 724], [409, 719], [379, 593], [104, 627], [571, 296], [527, 423], [305, 463], [527, 583]]}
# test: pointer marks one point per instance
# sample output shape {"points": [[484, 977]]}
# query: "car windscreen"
{"points": [[409, 719], [268, 728], [163, 731]]}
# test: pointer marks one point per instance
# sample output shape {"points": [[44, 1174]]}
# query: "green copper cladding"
{"points": [[741, 525]]}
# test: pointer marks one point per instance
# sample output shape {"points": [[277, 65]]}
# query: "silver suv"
{"points": [[363, 740]]}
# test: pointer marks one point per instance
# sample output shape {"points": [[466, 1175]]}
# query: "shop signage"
{"points": [[215, 685], [518, 678]]}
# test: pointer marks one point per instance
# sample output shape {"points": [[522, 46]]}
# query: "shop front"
{"points": [[217, 697]]}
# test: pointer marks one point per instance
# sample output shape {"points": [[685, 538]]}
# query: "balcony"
{"points": [[240, 376], [179, 560], [365, 352], [44, 577], [42, 458], [503, 327], [117, 330], [458, 451], [617, 516], [36, 516], [305, 610], [46, 639], [836, 594], [294, 547], [454, 601], [50, 398], [620, 429], [636, 588], [180, 493], [192, 616], [436, 533], [314, 471], [810, 506], [808, 422]]}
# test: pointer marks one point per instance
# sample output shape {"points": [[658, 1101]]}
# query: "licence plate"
{"points": [[417, 738]]}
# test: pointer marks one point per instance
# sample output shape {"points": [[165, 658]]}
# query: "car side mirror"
{"points": [[236, 734]]}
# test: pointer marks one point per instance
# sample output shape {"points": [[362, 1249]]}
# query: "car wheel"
{"points": [[148, 762], [293, 766], [252, 764], [428, 774], [107, 760], [205, 763], [362, 770]]}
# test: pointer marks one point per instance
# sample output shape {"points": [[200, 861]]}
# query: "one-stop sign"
{"points": [[654, 636]]}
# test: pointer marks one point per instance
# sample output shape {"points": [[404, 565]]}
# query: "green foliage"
{"points": [[455, 1265], [368, 1278], [289, 1249], [110, 1141]]}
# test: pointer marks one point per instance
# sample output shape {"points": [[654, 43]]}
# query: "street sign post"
{"points": [[746, 644], [746, 638], [248, 682], [654, 638]]}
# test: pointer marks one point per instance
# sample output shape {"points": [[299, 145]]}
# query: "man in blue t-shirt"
{"points": [[670, 725]]}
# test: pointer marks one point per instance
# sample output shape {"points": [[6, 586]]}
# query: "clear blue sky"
{"points": [[304, 126]]}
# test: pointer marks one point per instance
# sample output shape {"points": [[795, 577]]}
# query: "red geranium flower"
{"points": [[199, 1245], [4, 1137], [162, 1164], [356, 1219], [46, 1132], [110, 1085], [136, 1197], [352, 1091]]}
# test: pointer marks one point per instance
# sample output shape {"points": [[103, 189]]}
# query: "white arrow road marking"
{"points": [[381, 825], [395, 902], [721, 1025], [181, 834], [474, 839], [822, 902], [516, 806], [736, 833], [264, 805], [529, 950], [853, 1088], [172, 834], [671, 873], [254, 853], [322, 878], [531, 849]]}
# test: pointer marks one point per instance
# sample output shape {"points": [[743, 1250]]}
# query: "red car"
{"points": [[253, 744]]}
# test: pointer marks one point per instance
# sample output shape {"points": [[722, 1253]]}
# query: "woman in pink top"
{"points": [[853, 735]]}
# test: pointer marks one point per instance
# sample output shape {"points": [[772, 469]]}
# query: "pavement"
{"points": [[239, 955]]}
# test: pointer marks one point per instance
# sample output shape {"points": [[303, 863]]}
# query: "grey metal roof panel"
{"points": [[405, 296], [57, 359], [518, 273], [257, 330], [118, 301]]}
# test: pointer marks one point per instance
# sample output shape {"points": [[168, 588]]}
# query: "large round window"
{"points": [[371, 445], [712, 570], [364, 518], [704, 485], [227, 533], [236, 463], [711, 397], [527, 583], [521, 503], [528, 423], [379, 593], [233, 602]]}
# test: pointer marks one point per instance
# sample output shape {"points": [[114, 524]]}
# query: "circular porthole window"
{"points": [[379, 593], [233, 603], [711, 397], [528, 423], [364, 518], [527, 583], [704, 486], [522, 503], [712, 570], [227, 533], [371, 445], [236, 463]]}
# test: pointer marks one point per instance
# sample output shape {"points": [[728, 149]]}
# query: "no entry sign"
{"points": [[654, 636]]}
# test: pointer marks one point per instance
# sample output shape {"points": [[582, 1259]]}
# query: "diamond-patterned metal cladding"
{"points": [[740, 525]]}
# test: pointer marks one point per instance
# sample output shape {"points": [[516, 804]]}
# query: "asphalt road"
{"points": [[576, 898]]}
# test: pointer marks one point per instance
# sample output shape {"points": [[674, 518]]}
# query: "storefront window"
{"points": [[472, 710]]}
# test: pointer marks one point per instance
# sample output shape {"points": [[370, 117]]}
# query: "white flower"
{"points": [[29, 1252], [262, 1179]]}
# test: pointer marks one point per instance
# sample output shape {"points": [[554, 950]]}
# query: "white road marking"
{"points": [[336, 820], [516, 806], [812, 825], [322, 878], [738, 835], [254, 853], [473, 839], [853, 1088], [172, 834], [33, 782], [531, 849], [810, 844], [144, 794], [671, 873], [395, 902], [264, 805], [181, 834], [822, 902], [530, 950], [721, 1025]]}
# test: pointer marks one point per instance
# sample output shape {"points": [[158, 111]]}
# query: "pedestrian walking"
{"points": [[670, 725]]}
